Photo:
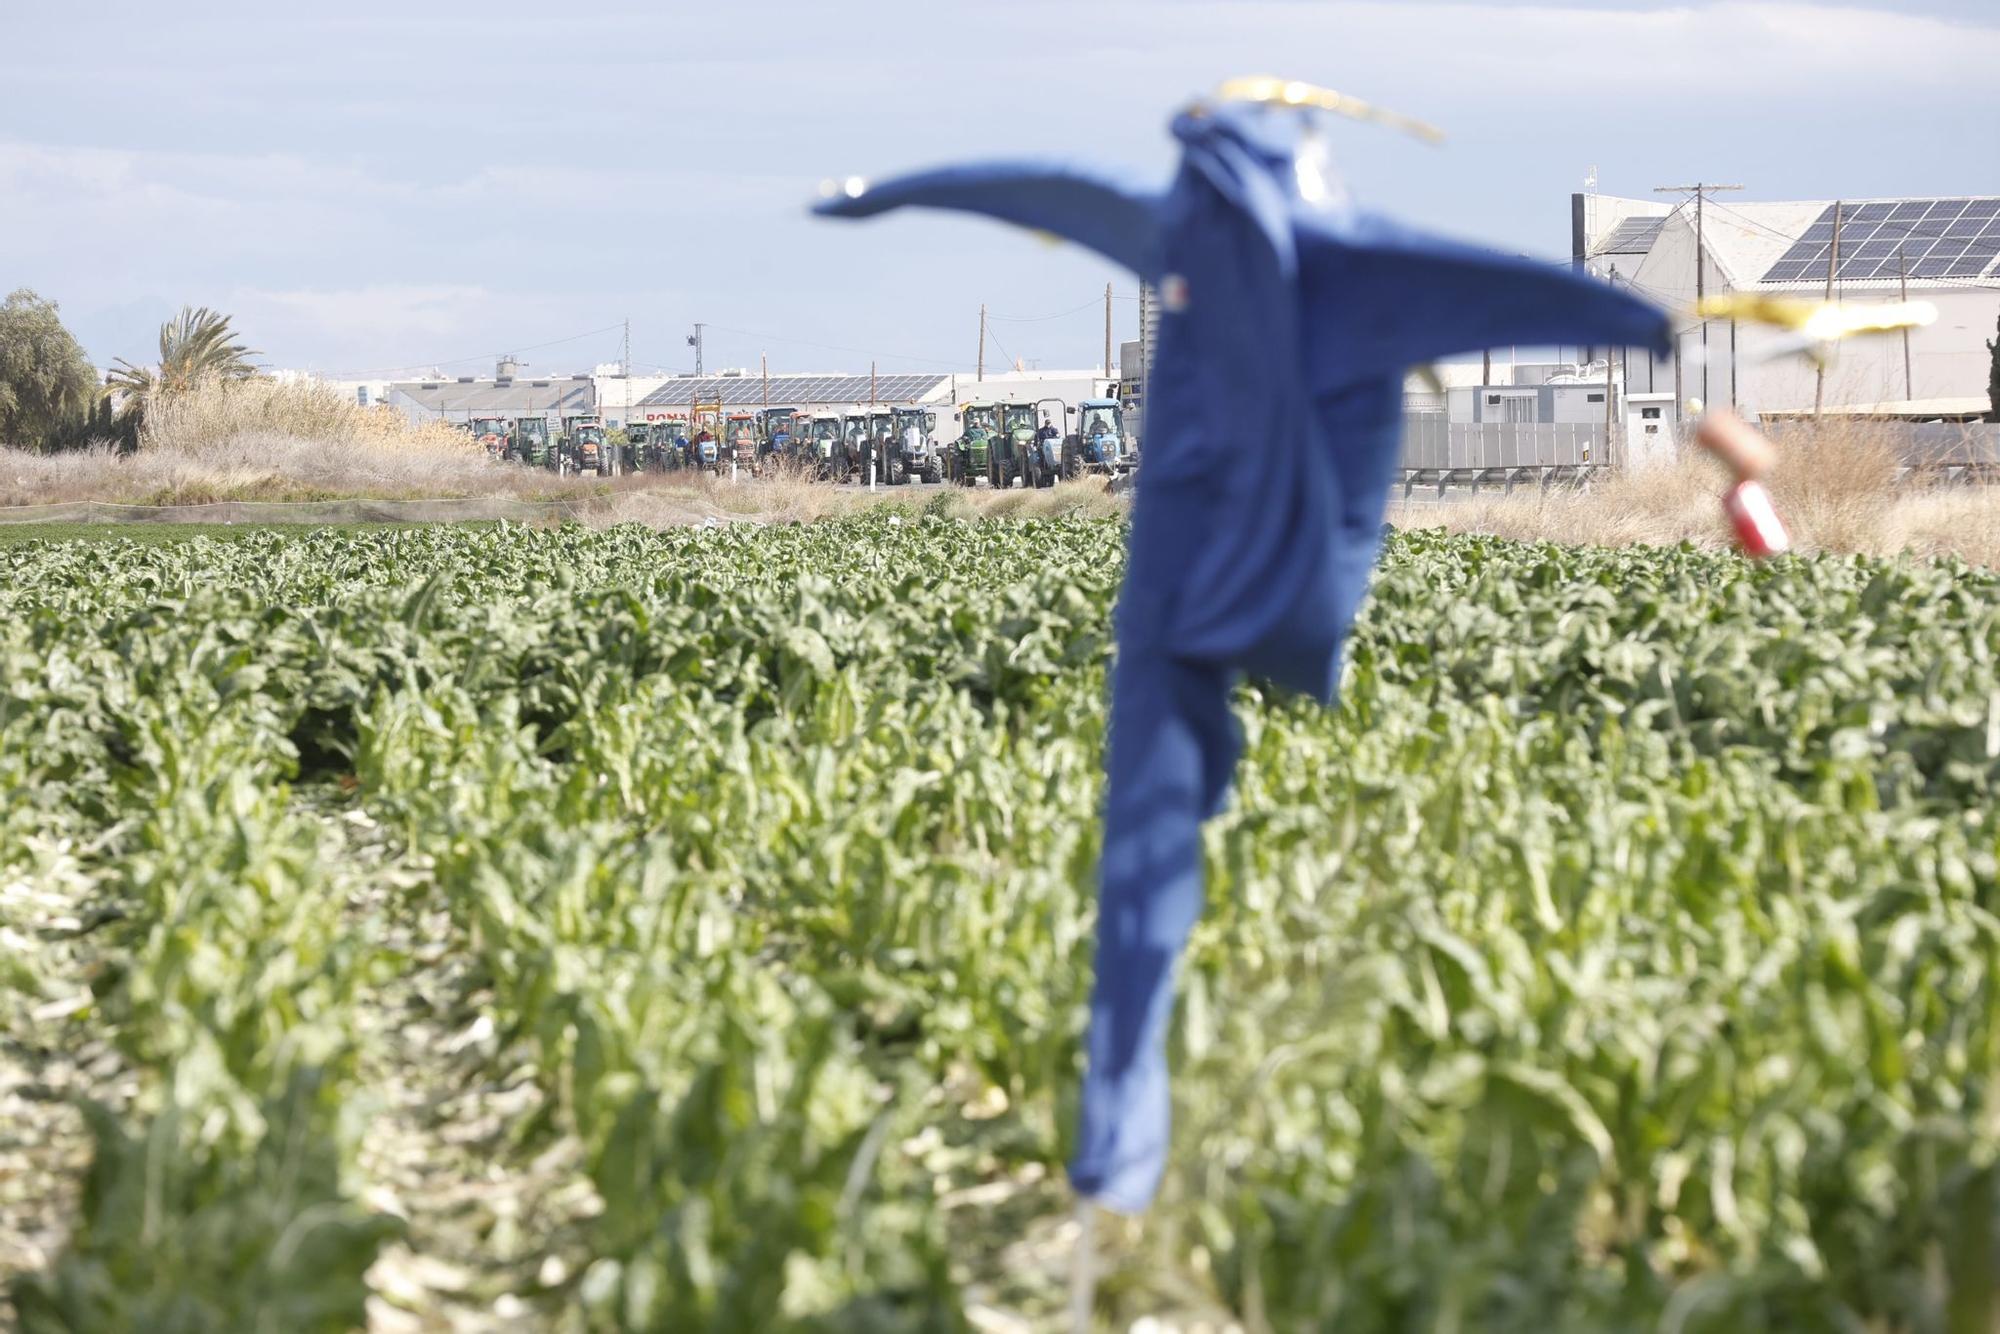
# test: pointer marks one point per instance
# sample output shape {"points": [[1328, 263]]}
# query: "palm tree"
{"points": [[196, 347]]}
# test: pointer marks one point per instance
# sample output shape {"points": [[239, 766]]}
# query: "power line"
{"points": [[1043, 319], [1002, 346]]}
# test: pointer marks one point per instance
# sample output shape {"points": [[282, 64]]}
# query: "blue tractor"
{"points": [[1099, 444]]}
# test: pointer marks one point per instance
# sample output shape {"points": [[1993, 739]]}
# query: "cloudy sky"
{"points": [[369, 186]]}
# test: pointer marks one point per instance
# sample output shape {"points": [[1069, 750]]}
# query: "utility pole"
{"points": [[764, 370], [1903, 278], [625, 377], [694, 341], [1610, 406], [1832, 263], [982, 342], [1701, 190], [1107, 331], [1732, 363]]}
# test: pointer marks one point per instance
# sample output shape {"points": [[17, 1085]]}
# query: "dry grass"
{"points": [[1837, 494], [271, 441], [258, 440]]}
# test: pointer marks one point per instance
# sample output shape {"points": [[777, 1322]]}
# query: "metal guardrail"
{"points": [[1548, 477]]}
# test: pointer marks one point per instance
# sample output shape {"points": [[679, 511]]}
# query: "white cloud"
{"points": [[351, 186]]}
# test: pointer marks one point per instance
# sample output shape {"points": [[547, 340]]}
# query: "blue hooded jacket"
{"points": [[1273, 424]]}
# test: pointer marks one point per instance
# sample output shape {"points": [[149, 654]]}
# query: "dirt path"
{"points": [[493, 1227], [52, 1055]]}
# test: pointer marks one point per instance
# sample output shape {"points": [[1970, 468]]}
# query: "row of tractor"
{"points": [[580, 445], [1034, 443]]}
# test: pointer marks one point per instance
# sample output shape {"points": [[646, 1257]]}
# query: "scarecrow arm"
{"points": [[1382, 297], [1117, 219]]}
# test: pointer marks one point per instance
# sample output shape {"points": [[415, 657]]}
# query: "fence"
{"points": [[1447, 454], [1946, 451]]}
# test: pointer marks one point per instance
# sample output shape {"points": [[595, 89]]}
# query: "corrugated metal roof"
{"points": [[791, 390], [486, 397]]}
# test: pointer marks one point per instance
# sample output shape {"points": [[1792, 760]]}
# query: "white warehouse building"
{"points": [[1943, 251]]}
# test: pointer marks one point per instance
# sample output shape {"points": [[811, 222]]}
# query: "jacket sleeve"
{"points": [[1405, 297], [1117, 219]]}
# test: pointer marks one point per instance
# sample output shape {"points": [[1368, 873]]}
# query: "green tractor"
{"points": [[636, 453], [827, 448], [971, 457], [915, 435], [1014, 456], [529, 443]]}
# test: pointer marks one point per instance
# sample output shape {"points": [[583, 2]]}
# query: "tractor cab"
{"points": [[854, 431], [638, 446], [828, 445], [529, 441], [826, 437], [882, 447], [740, 431], [972, 456], [490, 432], [1050, 450], [777, 428], [1014, 453], [1099, 444], [583, 438], [670, 441], [914, 431]]}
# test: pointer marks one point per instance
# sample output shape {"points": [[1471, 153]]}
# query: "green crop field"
{"points": [[691, 931]]}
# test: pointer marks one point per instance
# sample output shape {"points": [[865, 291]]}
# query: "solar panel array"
{"points": [[734, 391], [1634, 236], [1924, 238]]}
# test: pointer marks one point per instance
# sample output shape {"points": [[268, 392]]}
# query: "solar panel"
{"points": [[1634, 236], [791, 390], [1887, 239]]}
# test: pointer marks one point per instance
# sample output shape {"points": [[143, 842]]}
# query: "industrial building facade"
{"points": [[1941, 250]]}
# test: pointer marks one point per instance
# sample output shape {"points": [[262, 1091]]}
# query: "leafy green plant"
{"points": [[1619, 953]]}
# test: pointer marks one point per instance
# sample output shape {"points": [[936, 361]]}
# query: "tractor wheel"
{"points": [[899, 472], [932, 473]]}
